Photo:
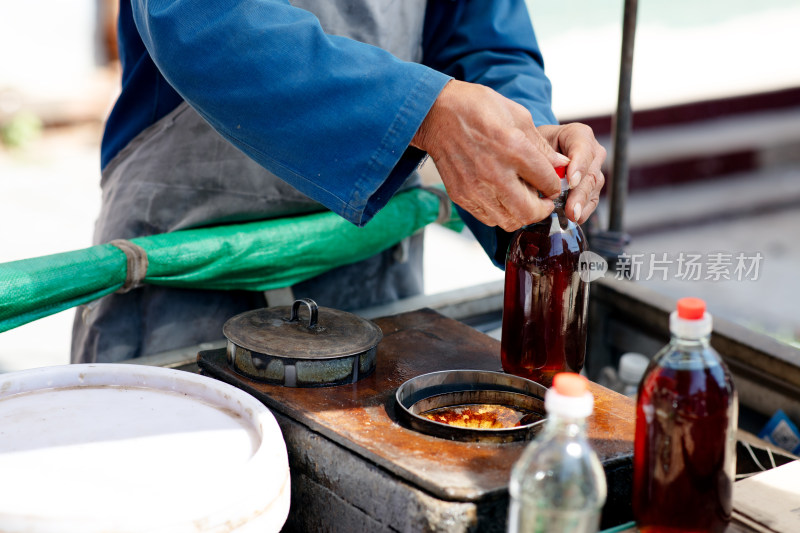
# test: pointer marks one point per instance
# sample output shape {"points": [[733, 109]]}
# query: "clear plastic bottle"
{"points": [[632, 367], [558, 484], [684, 459], [545, 300]]}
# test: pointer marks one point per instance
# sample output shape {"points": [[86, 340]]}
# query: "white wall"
{"points": [[685, 50], [46, 47]]}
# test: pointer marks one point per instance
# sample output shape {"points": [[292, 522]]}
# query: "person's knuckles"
{"points": [[592, 183], [465, 199], [579, 137], [493, 210], [549, 132], [479, 213], [596, 165], [579, 132], [581, 156], [517, 143], [505, 218], [546, 149], [594, 193], [600, 152], [510, 225], [591, 205], [599, 181]]}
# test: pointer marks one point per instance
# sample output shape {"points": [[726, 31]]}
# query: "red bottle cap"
{"points": [[570, 384], [691, 308], [561, 171]]}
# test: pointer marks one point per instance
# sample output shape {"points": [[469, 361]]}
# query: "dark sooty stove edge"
{"points": [[488, 515], [401, 505]]}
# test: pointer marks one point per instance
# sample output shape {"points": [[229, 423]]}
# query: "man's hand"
{"points": [[494, 161], [587, 156]]}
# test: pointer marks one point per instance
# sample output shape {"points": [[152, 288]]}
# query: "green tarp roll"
{"points": [[256, 256]]}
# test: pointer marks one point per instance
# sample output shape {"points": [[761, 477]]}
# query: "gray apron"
{"points": [[181, 161]]}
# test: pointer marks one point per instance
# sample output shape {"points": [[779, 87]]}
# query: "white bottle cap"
{"points": [[632, 367], [690, 321], [569, 397]]}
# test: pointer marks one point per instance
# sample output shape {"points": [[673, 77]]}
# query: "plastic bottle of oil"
{"points": [[684, 459], [558, 484], [545, 300]]}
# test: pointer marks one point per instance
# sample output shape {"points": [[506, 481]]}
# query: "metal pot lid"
{"points": [[322, 333]]}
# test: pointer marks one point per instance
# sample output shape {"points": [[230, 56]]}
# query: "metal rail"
{"points": [[622, 121]]}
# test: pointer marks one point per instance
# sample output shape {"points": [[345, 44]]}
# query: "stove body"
{"points": [[356, 467]]}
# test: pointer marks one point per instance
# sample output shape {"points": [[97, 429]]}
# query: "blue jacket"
{"points": [[331, 116]]}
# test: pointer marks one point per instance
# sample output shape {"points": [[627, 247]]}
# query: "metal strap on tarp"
{"points": [[137, 263]]}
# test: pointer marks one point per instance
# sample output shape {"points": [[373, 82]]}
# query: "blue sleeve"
{"points": [[331, 116], [491, 43]]}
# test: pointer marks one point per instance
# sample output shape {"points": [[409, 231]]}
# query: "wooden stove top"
{"points": [[361, 417]]}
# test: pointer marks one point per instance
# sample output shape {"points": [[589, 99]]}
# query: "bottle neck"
{"points": [[561, 201], [569, 426], [691, 343]]}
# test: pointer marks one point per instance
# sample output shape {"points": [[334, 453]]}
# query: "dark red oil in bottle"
{"points": [[684, 460], [545, 300]]}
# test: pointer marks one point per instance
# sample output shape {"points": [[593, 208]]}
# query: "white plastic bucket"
{"points": [[129, 448]]}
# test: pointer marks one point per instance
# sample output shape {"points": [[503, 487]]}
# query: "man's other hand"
{"points": [[494, 161]]}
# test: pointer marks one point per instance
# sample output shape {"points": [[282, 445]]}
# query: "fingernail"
{"points": [[564, 159], [577, 211], [574, 180]]}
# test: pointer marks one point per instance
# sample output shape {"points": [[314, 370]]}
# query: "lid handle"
{"points": [[312, 311]]}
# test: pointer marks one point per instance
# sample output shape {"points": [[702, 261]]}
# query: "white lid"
{"points": [[130, 448], [690, 329], [568, 406], [632, 366]]}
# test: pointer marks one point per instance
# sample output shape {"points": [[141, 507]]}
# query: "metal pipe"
{"points": [[622, 121]]}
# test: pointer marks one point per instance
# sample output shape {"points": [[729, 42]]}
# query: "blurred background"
{"points": [[714, 155]]}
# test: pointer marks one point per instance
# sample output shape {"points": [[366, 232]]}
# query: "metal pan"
{"points": [[453, 388]]}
